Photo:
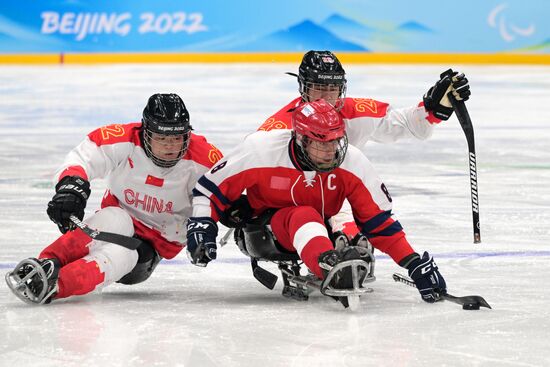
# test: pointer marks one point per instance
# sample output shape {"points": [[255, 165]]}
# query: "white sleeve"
{"points": [[97, 161], [410, 122]]}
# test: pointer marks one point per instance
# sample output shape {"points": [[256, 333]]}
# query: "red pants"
{"points": [[301, 229], [88, 264]]}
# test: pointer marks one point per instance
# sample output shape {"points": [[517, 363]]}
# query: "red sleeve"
{"points": [[282, 119], [363, 107], [385, 233], [431, 118], [73, 171], [116, 133]]}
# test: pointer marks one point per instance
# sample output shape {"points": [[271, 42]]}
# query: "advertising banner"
{"points": [[170, 26]]}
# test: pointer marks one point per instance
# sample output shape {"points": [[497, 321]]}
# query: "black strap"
{"points": [[130, 243]]}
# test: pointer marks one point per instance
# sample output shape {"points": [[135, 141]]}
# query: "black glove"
{"points": [[340, 240], [201, 240], [237, 214], [71, 194], [436, 99], [426, 276]]}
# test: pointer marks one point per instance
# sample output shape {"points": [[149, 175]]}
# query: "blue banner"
{"points": [[48, 26]]}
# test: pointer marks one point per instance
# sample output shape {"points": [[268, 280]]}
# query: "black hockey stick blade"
{"points": [[466, 123], [130, 243], [467, 302], [263, 276]]}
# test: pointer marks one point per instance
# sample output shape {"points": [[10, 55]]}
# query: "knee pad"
{"points": [[112, 219], [148, 259], [113, 260]]}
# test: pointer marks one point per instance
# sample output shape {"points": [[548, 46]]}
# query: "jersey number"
{"points": [[386, 192], [112, 131]]}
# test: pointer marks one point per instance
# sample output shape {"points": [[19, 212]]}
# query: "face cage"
{"points": [[342, 147], [319, 91], [147, 137]]}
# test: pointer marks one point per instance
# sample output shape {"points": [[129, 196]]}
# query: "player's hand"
{"points": [[201, 240], [428, 279], [71, 195], [436, 100], [237, 214], [340, 240]]}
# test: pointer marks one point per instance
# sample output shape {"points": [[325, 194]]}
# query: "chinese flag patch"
{"points": [[154, 181]]}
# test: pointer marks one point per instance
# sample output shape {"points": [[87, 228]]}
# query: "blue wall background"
{"points": [[47, 26]]}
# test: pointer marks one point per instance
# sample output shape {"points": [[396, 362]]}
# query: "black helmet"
{"points": [[322, 71], [165, 122]]}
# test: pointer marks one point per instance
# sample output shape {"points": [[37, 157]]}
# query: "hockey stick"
{"points": [[225, 238], [467, 302], [130, 243], [466, 124]]}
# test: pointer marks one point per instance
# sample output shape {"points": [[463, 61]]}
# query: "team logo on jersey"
{"points": [[272, 124], [214, 154], [364, 104], [154, 181], [279, 183]]}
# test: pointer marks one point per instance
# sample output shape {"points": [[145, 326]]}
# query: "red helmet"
{"points": [[320, 134]]}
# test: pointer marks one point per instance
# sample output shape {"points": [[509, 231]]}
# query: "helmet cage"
{"points": [[334, 94], [166, 129], [164, 145], [313, 151]]}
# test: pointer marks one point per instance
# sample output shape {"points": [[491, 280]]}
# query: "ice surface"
{"points": [[220, 315]]}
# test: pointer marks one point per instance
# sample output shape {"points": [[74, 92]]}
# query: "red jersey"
{"points": [[264, 166]]}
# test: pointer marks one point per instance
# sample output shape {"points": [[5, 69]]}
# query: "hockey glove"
{"points": [[426, 276], [201, 240], [237, 214], [71, 194], [436, 99], [340, 240]]}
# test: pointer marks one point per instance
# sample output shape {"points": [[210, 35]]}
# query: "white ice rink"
{"points": [[220, 315]]}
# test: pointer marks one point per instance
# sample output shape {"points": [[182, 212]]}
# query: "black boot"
{"points": [[35, 280], [343, 278]]}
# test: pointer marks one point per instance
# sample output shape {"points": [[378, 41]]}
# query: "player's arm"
{"points": [[214, 192], [381, 122], [372, 207], [368, 119], [93, 158]]}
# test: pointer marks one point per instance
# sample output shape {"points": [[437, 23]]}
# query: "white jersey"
{"points": [[158, 199], [368, 120]]}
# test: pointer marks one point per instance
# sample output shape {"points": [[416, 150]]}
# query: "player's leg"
{"points": [[301, 229], [56, 274]]}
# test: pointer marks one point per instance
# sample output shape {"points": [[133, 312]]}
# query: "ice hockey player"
{"points": [[303, 175], [321, 75], [151, 168]]}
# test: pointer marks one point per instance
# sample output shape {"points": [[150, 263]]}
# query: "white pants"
{"points": [[113, 260]]}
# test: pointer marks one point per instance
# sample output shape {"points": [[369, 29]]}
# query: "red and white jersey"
{"points": [[158, 199], [367, 119], [264, 165]]}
